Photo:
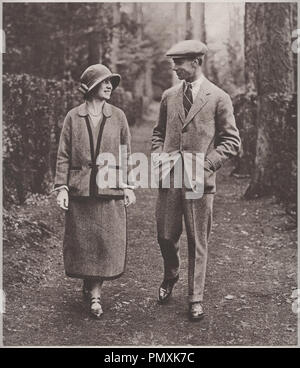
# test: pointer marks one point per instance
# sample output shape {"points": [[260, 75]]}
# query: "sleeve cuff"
{"points": [[59, 187], [209, 165], [127, 186]]}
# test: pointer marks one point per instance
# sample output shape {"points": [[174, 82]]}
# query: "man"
{"points": [[195, 116]]}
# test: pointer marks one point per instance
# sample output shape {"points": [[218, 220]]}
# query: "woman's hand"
{"points": [[129, 197], [63, 199]]}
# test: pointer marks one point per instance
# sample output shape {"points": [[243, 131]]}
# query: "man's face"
{"points": [[184, 68]]}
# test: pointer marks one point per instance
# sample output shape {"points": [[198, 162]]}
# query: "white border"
{"points": [[1, 244]]}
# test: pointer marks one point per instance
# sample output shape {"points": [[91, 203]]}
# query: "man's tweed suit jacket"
{"points": [[209, 128]]}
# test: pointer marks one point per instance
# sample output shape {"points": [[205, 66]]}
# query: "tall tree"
{"points": [[235, 45], [246, 103], [272, 78], [115, 35], [189, 22], [199, 30], [138, 87]]}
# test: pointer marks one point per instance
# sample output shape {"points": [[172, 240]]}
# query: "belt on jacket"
{"points": [[91, 165]]}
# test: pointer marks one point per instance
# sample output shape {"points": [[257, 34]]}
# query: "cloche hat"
{"points": [[96, 74]]}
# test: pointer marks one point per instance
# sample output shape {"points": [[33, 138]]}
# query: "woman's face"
{"points": [[104, 90]]}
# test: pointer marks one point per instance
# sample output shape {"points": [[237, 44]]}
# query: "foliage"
{"points": [[245, 112], [25, 242], [59, 40], [32, 108], [124, 100], [53, 40]]}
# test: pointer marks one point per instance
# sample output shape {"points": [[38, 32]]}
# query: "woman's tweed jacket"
{"points": [[76, 165]]}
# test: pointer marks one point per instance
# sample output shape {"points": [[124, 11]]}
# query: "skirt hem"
{"points": [[91, 277]]}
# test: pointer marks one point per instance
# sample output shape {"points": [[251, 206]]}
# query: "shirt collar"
{"points": [[197, 82]]}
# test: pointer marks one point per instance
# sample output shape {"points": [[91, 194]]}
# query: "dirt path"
{"points": [[250, 277]]}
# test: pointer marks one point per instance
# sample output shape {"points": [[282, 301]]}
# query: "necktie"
{"points": [[187, 98]]}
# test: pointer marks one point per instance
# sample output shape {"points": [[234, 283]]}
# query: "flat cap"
{"points": [[187, 48]]}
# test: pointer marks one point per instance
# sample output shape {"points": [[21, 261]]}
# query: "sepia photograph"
{"points": [[150, 174]]}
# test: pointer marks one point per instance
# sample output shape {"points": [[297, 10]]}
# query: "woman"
{"points": [[95, 221]]}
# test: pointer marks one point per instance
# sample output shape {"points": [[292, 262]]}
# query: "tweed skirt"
{"points": [[95, 240]]}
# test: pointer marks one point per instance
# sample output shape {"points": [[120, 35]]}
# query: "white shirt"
{"points": [[196, 86]]}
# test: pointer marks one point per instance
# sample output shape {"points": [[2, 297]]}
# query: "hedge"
{"points": [[33, 112]]}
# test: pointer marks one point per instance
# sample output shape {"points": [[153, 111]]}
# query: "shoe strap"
{"points": [[95, 299]]}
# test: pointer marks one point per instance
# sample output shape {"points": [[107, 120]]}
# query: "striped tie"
{"points": [[187, 98]]}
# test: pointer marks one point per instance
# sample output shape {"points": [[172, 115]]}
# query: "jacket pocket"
{"points": [[209, 180]]}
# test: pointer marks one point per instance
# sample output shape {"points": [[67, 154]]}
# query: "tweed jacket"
{"points": [[77, 165], [209, 128]]}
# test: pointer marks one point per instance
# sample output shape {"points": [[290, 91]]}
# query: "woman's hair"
{"points": [[93, 92]]}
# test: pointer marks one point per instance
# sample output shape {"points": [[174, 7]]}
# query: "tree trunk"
{"points": [[246, 105], [251, 56], [235, 46], [202, 33], [94, 48], [273, 79], [189, 22], [115, 36], [148, 90], [176, 33], [138, 86]]}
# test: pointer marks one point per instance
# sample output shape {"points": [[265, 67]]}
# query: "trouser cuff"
{"points": [[195, 298]]}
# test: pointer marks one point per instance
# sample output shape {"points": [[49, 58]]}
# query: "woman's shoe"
{"points": [[95, 307]]}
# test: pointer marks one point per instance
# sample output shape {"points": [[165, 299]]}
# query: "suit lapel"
{"points": [[200, 101], [179, 103]]}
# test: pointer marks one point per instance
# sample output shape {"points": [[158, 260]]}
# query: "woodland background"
{"points": [[252, 267], [49, 45]]}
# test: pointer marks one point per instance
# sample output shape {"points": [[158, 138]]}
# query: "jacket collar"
{"points": [[83, 111], [200, 101]]}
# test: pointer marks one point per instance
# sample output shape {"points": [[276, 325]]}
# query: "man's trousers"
{"points": [[171, 207]]}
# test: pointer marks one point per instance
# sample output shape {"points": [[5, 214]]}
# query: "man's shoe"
{"points": [[196, 312], [165, 290]]}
